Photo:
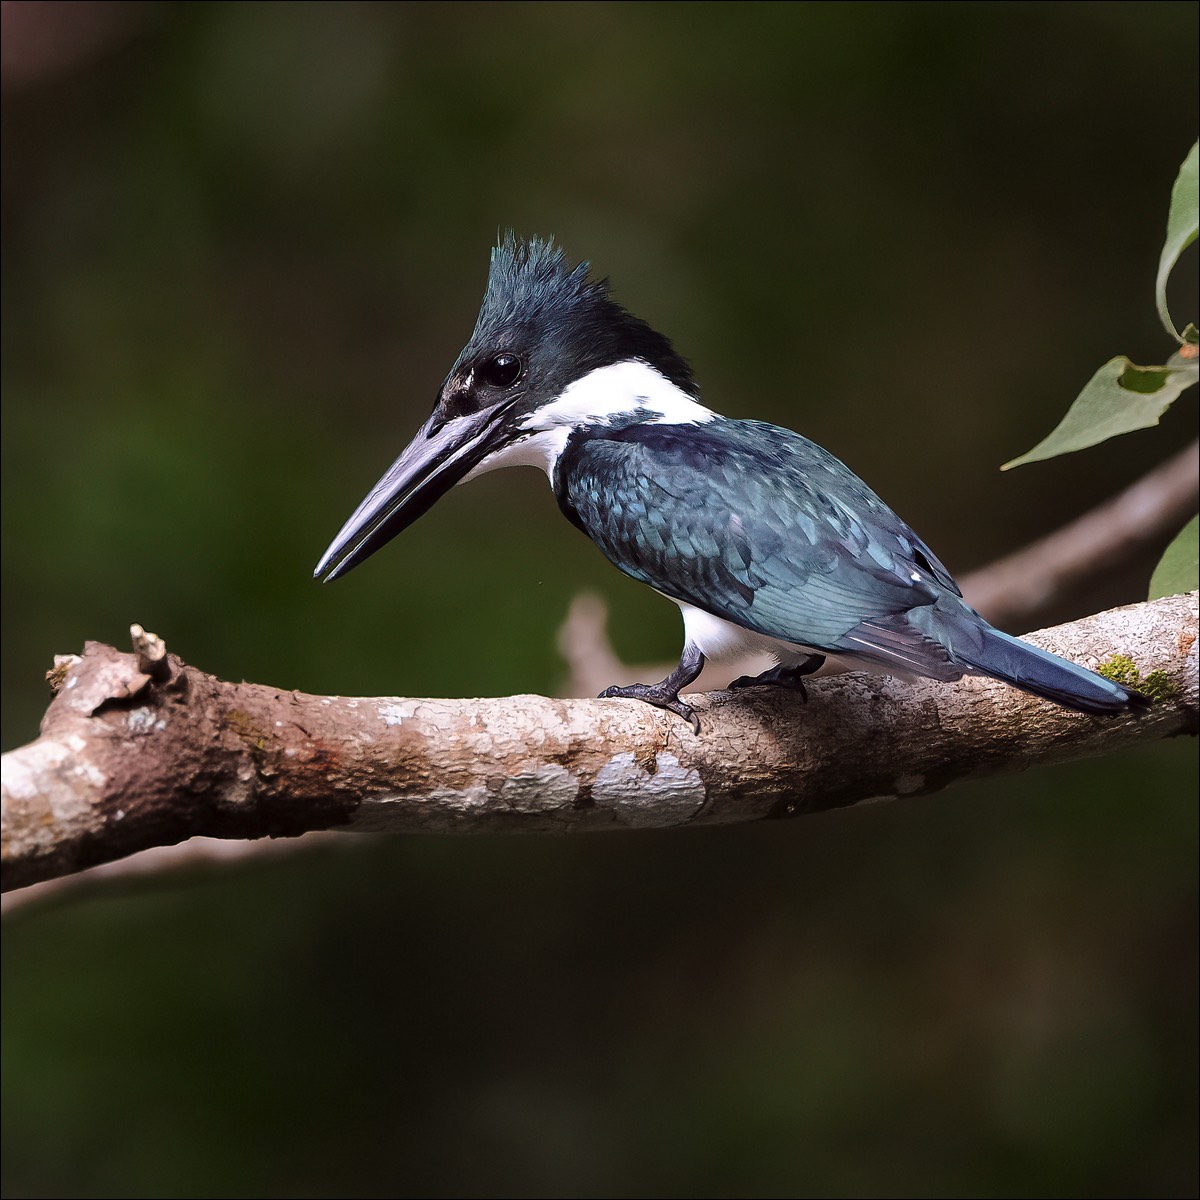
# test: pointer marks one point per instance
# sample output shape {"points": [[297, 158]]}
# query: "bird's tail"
{"points": [[979, 647]]}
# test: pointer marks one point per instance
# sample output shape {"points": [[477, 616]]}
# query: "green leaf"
{"points": [[1179, 570], [1182, 223], [1119, 398]]}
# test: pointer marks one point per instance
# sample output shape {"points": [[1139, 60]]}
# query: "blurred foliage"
{"points": [[1122, 397], [1183, 224], [243, 243], [1180, 565]]}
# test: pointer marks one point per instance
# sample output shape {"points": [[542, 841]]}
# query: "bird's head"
{"points": [[534, 367]]}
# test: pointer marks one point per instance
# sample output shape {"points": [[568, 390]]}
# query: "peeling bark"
{"points": [[140, 750]]}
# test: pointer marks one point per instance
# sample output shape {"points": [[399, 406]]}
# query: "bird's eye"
{"points": [[503, 370]]}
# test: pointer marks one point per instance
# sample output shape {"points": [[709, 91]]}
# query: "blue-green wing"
{"points": [[750, 522]]}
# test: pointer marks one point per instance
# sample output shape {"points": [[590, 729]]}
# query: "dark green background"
{"points": [[242, 244]]}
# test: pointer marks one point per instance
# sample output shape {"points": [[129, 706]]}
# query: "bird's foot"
{"points": [[658, 694], [666, 693], [781, 676]]}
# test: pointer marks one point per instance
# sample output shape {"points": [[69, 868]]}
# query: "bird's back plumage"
{"points": [[749, 521], [762, 528]]}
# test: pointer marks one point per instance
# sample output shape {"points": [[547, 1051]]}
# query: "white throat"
{"points": [[632, 387]]}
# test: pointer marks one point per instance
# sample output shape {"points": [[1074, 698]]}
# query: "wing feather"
{"points": [[754, 524]]}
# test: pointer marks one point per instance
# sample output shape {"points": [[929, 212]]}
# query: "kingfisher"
{"points": [[764, 540]]}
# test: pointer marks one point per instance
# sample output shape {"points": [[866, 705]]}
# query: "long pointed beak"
{"points": [[433, 462]]}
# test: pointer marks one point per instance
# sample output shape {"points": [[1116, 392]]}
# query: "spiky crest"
{"points": [[537, 303]]}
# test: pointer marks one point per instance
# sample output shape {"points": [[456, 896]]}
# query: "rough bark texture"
{"points": [[140, 750]]}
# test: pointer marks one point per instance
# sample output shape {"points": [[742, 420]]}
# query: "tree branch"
{"points": [[127, 761], [1017, 590]]}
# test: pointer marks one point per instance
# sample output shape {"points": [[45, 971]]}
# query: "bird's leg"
{"points": [[666, 694], [781, 676]]}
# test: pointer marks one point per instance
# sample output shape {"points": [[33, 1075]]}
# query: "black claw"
{"points": [[666, 694], [781, 676], [658, 695], [749, 681]]}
